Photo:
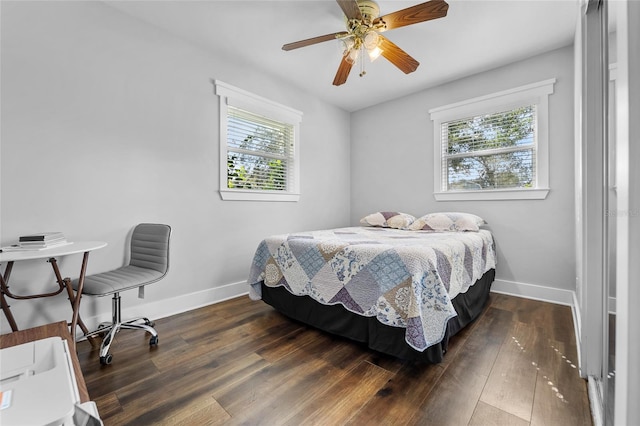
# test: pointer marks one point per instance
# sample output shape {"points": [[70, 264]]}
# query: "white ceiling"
{"points": [[476, 35]]}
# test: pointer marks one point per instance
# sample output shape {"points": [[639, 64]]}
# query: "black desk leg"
{"points": [[66, 282], [4, 288]]}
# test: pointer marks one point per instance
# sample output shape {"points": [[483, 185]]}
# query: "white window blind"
{"points": [[493, 147], [259, 151], [259, 147], [490, 151]]}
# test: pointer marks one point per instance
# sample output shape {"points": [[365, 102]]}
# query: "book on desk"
{"points": [[39, 241], [41, 237]]}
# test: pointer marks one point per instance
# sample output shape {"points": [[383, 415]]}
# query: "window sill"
{"points": [[238, 195], [499, 194]]}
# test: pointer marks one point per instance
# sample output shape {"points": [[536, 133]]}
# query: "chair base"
{"points": [[109, 330]]}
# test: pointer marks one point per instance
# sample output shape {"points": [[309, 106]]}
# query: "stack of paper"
{"points": [[42, 240], [39, 241]]}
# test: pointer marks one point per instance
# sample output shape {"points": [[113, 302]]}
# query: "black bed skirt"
{"points": [[368, 330]]}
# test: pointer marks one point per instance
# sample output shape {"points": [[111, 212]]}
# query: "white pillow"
{"points": [[447, 221], [396, 220]]}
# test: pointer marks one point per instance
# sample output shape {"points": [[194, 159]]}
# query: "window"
{"points": [[259, 147], [493, 147]]}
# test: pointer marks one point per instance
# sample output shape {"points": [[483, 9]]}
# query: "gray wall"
{"points": [[393, 170], [107, 122]]}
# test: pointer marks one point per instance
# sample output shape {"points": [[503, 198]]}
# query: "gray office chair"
{"points": [[149, 262]]}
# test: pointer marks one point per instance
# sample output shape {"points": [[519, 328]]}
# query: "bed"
{"points": [[404, 292]]}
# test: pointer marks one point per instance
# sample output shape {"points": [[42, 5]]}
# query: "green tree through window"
{"points": [[259, 151], [492, 151]]}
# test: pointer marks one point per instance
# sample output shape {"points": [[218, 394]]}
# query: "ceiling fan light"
{"points": [[371, 40], [352, 56], [374, 53], [348, 44]]}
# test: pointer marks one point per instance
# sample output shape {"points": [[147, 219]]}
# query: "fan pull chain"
{"points": [[362, 71]]}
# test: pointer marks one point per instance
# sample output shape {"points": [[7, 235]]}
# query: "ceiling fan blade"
{"points": [[343, 72], [412, 15], [313, 40], [397, 56], [350, 9]]}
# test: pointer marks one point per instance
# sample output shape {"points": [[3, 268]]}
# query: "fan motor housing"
{"points": [[369, 9]]}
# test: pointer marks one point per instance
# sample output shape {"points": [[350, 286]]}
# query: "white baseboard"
{"points": [[533, 291], [175, 305], [577, 317], [577, 325], [595, 402]]}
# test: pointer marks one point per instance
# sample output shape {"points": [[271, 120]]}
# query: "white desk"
{"points": [[50, 254]]}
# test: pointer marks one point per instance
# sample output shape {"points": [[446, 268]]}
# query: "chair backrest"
{"points": [[150, 246]]}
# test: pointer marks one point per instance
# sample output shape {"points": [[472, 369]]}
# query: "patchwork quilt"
{"points": [[403, 278]]}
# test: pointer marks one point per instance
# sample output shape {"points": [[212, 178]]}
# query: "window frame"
{"points": [[532, 94], [233, 96]]}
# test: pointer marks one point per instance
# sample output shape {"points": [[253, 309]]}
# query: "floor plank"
{"points": [[559, 390], [344, 398], [487, 415], [396, 401], [240, 362], [465, 378], [512, 382]]}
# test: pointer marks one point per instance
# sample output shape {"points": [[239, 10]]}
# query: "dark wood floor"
{"points": [[240, 362]]}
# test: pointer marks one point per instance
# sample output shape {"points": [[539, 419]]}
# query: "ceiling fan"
{"points": [[363, 34]]}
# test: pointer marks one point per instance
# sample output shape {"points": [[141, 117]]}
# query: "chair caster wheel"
{"points": [[153, 341], [106, 360]]}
